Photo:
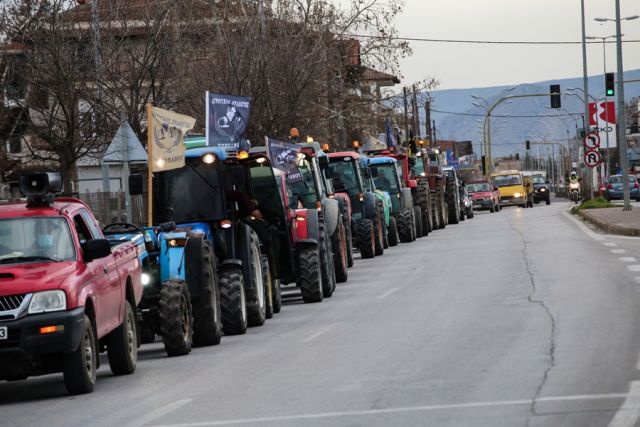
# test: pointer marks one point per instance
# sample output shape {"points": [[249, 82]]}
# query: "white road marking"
{"points": [[426, 408], [629, 412], [317, 334], [389, 292], [618, 251], [627, 259], [634, 267], [587, 230], [158, 413], [609, 244]]}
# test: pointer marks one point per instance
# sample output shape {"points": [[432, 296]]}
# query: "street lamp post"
{"points": [[621, 122], [606, 110]]}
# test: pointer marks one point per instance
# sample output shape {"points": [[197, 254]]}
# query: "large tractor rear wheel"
{"points": [[269, 294], [444, 215], [435, 212], [176, 318], [257, 304], [310, 277], [422, 199], [393, 232], [378, 231], [326, 259], [207, 319], [347, 232], [405, 226], [339, 246], [417, 215], [366, 239], [233, 302]]}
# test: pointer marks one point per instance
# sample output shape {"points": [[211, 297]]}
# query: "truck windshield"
{"points": [[386, 179], [345, 176], [507, 180], [538, 179], [35, 239], [188, 194]]}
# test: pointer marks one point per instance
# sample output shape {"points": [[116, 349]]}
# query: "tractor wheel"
{"points": [[470, 214], [339, 246], [417, 214], [233, 303], [268, 286], [435, 212], [277, 296], [378, 234], [80, 366], [424, 201], [122, 344], [256, 302], [444, 216], [207, 320], [463, 213], [405, 226], [176, 319], [454, 208], [385, 233], [392, 233], [349, 236], [326, 258], [366, 239], [310, 276]]}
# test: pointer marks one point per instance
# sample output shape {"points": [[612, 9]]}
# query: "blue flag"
{"points": [[284, 156], [388, 129], [227, 119]]}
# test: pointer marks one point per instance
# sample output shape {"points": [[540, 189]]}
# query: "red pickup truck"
{"points": [[65, 293]]}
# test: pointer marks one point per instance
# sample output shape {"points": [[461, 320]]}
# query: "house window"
{"points": [[16, 82]]}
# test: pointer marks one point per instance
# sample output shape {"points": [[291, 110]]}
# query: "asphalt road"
{"points": [[517, 318]]}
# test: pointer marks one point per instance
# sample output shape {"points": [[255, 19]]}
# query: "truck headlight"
{"points": [[516, 195], [43, 302], [542, 190]]}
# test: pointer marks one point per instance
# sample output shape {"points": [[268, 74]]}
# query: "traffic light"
{"points": [[554, 90], [528, 144], [484, 165], [609, 84]]}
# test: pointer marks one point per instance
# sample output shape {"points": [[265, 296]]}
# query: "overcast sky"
{"points": [[478, 65]]}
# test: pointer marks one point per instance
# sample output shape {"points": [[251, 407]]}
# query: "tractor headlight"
{"points": [[44, 302], [145, 279], [209, 158]]}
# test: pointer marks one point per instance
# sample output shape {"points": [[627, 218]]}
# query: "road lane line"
{"points": [[317, 334], [634, 267], [618, 251], [629, 412], [389, 292], [583, 227], [610, 244], [409, 409], [627, 259], [158, 413]]}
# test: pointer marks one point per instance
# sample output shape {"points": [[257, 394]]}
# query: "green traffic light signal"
{"points": [[609, 84], [609, 92]]}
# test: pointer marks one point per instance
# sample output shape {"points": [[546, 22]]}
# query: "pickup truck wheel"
{"points": [[310, 277], [122, 344], [176, 318], [339, 246], [327, 265], [366, 236], [80, 366], [233, 302], [207, 320], [257, 309], [392, 234]]}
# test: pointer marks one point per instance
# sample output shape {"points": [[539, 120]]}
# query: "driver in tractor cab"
{"points": [[294, 135]]}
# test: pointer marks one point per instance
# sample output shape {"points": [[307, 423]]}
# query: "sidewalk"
{"points": [[614, 220]]}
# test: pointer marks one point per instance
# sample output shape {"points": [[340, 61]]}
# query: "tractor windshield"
{"points": [[418, 167], [187, 194], [304, 190], [345, 176], [386, 177]]}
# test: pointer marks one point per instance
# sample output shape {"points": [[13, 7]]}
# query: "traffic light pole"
{"points": [[622, 127]]}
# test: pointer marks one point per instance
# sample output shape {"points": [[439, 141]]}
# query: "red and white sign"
{"points": [[602, 115], [591, 141], [592, 158]]}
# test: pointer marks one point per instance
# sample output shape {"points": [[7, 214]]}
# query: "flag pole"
{"points": [[150, 165]]}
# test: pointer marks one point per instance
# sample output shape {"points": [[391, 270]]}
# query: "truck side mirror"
{"points": [[96, 249]]}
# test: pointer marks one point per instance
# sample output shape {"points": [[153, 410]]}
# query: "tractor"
{"points": [[428, 165], [385, 172], [367, 220]]}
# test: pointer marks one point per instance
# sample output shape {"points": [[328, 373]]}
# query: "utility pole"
{"points": [[434, 132], [406, 113], [427, 109], [585, 84], [621, 122], [416, 116]]}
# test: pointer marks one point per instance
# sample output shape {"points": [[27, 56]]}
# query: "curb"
{"points": [[608, 227]]}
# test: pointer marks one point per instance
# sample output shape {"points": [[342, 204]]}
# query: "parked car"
{"points": [[484, 195], [66, 293], [614, 188]]}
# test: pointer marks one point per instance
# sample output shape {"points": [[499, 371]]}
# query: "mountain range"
{"points": [[514, 121]]}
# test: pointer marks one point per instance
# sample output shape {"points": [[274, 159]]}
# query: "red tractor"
{"points": [[428, 166]]}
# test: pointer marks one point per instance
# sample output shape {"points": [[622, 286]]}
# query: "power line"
{"points": [[507, 42], [510, 116]]}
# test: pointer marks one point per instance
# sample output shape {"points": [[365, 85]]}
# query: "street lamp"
{"points": [[607, 171], [621, 122]]}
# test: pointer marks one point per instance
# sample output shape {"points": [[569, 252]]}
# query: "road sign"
{"points": [[591, 141], [602, 116], [592, 158]]}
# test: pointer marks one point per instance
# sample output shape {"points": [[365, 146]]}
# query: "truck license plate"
{"points": [[4, 333]]}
